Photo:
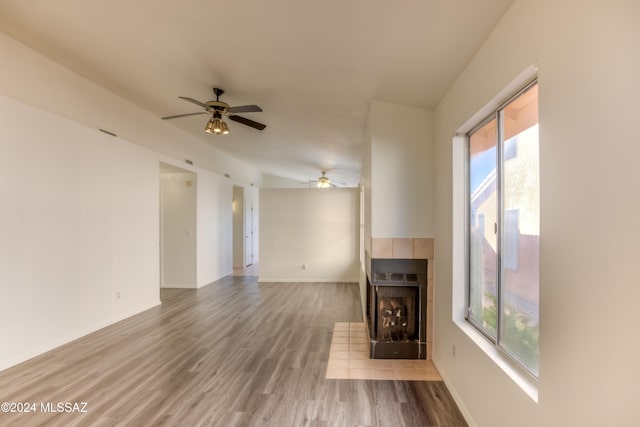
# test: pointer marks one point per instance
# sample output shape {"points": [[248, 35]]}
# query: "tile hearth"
{"points": [[349, 359]]}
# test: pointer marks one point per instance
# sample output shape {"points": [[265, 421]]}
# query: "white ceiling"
{"points": [[313, 66]]}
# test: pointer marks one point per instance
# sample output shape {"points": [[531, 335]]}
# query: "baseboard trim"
{"points": [[319, 280], [463, 409], [179, 286], [6, 364]]}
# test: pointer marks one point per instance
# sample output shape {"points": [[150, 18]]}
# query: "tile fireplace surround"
{"points": [[349, 359], [406, 248]]}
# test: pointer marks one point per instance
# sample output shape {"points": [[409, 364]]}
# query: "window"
{"points": [[504, 227]]}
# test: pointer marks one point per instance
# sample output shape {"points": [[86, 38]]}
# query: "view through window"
{"points": [[504, 227]]}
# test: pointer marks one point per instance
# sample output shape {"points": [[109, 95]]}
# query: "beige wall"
{"points": [[314, 228]]}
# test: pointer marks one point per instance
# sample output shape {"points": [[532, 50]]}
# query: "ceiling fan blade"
{"points": [[247, 122], [186, 98], [183, 115], [245, 109]]}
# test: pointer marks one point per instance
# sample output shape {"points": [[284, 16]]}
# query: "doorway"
{"points": [[248, 233], [244, 227], [178, 196], [238, 227]]}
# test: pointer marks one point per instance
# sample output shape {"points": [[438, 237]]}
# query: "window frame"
{"points": [[497, 114]]}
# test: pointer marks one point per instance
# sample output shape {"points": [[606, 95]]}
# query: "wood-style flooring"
{"points": [[234, 353]]}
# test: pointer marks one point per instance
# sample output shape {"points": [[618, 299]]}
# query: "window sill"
{"points": [[517, 374]]}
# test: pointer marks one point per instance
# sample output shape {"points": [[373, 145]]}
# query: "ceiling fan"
{"points": [[218, 110], [323, 181]]}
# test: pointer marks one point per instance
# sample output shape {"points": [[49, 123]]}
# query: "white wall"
{"points": [[197, 228], [80, 209], [398, 175], [366, 182], [34, 79], [272, 181], [365, 215], [215, 227], [314, 227], [589, 62], [78, 224], [402, 171], [178, 195]]}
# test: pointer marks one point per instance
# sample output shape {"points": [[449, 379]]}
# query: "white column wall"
{"points": [[179, 229], [402, 171], [215, 227]]}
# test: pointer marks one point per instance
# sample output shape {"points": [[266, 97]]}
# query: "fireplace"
{"points": [[396, 308]]}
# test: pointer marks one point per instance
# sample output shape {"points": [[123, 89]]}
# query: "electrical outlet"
{"points": [[453, 350], [304, 266], [117, 296]]}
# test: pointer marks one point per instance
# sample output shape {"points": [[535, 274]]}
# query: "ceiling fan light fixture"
{"points": [[217, 126], [225, 129], [209, 127], [324, 182], [219, 110]]}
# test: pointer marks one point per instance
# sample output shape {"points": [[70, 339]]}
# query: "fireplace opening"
{"points": [[396, 308], [397, 313]]}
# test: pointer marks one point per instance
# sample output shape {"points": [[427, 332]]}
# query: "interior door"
{"points": [[248, 230]]}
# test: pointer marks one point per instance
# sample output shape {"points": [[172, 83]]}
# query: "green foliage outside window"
{"points": [[519, 333]]}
